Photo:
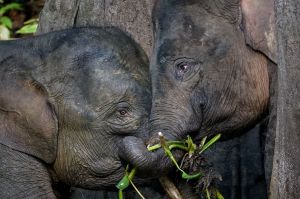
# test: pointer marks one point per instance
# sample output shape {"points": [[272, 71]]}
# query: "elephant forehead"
{"points": [[200, 49], [114, 81], [103, 86], [193, 35], [190, 21], [177, 17]]}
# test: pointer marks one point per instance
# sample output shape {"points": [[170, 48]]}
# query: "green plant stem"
{"points": [[186, 145], [175, 142], [184, 175], [169, 153], [169, 143], [207, 193], [136, 189], [120, 194], [179, 146], [154, 147], [132, 174]]}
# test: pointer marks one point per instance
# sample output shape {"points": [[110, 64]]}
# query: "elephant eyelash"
{"points": [[182, 59]]}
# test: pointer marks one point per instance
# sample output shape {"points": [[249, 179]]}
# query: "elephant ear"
{"points": [[258, 24], [27, 120]]}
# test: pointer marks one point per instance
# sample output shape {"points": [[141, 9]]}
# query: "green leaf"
{"points": [[191, 146], [187, 145], [28, 29], [6, 21], [219, 195], [186, 176], [11, 6], [210, 142], [4, 33], [35, 20], [123, 183], [203, 141]]}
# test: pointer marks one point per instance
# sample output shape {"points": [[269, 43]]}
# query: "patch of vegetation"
{"points": [[193, 161], [13, 21]]}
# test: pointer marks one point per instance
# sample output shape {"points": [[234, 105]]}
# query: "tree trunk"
{"points": [[132, 16], [285, 182]]}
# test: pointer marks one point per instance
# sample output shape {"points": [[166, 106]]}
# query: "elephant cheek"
{"points": [[87, 170]]}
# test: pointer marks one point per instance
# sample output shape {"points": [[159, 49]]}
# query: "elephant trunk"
{"points": [[149, 164], [134, 149], [175, 120]]}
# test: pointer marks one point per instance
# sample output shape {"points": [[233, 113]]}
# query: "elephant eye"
{"points": [[123, 112], [185, 68], [181, 69], [121, 117]]}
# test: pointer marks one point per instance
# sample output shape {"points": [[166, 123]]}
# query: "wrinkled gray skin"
{"points": [[205, 79], [67, 99]]}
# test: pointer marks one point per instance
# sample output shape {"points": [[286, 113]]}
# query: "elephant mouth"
{"points": [[106, 168], [102, 176]]}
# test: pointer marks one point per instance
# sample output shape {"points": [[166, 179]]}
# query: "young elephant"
{"points": [[205, 78], [67, 99]]}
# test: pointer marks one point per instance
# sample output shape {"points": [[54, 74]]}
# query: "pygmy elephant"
{"points": [[67, 99], [206, 79]]}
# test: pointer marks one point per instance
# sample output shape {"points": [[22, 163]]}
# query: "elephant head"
{"points": [[67, 99], [208, 72]]}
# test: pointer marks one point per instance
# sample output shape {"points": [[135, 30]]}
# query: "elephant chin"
{"points": [[92, 178], [106, 167], [109, 181]]}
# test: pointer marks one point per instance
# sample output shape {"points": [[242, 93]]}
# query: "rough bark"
{"points": [[132, 16], [285, 182]]}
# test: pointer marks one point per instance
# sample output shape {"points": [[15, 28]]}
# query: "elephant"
{"points": [[67, 99], [211, 70]]}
